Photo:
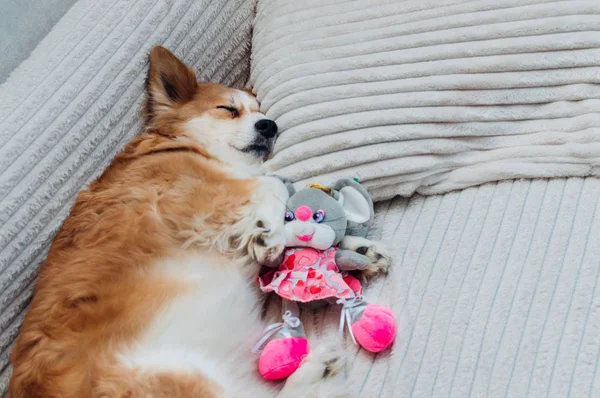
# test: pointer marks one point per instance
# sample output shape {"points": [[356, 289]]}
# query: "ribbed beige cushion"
{"points": [[430, 96]]}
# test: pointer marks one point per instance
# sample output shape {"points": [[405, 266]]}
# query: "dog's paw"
{"points": [[266, 238], [380, 256], [377, 252], [266, 244], [320, 375], [333, 361], [325, 361]]}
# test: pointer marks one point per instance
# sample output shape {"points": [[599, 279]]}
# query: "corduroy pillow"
{"points": [[429, 96]]}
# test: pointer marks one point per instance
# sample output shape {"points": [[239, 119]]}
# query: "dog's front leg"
{"points": [[266, 235]]}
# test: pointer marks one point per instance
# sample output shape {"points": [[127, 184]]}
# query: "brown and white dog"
{"points": [[149, 287]]}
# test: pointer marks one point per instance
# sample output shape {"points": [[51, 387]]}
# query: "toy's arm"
{"points": [[348, 260]]}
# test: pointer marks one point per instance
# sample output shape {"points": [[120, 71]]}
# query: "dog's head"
{"points": [[226, 121]]}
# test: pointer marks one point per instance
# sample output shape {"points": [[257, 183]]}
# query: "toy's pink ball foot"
{"points": [[281, 357], [376, 329]]}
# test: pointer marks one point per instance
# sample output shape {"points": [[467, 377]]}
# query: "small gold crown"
{"points": [[321, 187]]}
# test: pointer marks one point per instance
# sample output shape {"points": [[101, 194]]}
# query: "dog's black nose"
{"points": [[267, 128]]}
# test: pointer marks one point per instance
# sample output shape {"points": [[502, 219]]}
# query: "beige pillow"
{"points": [[429, 96]]}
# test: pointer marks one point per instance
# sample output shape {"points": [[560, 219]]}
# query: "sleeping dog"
{"points": [[149, 289]]}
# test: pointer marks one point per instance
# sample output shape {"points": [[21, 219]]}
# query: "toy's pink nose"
{"points": [[303, 213]]}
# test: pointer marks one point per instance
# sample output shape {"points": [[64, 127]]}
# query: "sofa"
{"points": [[494, 285]]}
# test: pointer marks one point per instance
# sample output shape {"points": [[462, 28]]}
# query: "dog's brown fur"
{"points": [[93, 293]]}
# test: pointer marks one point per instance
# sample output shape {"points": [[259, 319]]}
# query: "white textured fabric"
{"points": [[496, 288], [68, 109], [429, 96], [23, 24]]}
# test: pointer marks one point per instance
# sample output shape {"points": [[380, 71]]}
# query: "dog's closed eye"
{"points": [[234, 112]]}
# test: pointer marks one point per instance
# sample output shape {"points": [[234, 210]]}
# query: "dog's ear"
{"points": [[169, 82]]}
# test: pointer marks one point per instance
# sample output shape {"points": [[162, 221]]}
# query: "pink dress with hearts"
{"points": [[308, 274]]}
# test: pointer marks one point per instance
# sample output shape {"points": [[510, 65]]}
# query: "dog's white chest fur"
{"points": [[210, 328]]}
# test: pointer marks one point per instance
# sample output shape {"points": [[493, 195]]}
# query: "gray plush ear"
{"points": [[288, 184], [357, 204]]}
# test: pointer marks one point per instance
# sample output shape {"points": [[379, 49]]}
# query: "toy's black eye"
{"points": [[289, 216], [234, 112], [319, 215]]}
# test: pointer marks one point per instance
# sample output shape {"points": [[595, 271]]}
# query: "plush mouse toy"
{"points": [[315, 271]]}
